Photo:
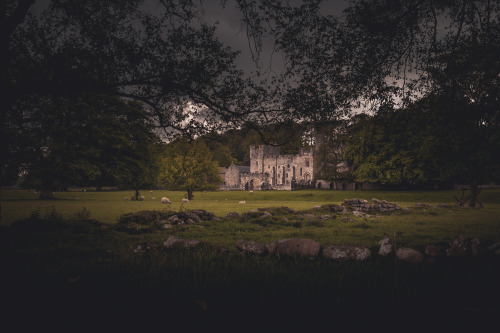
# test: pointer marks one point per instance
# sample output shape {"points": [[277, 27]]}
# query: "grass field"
{"points": [[66, 272], [419, 228], [108, 206]]}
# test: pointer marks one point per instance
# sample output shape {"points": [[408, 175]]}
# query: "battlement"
{"points": [[264, 150]]}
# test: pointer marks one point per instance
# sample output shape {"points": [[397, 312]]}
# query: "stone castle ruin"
{"points": [[269, 170]]}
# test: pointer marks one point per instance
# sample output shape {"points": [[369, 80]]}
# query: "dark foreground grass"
{"points": [[81, 275]]}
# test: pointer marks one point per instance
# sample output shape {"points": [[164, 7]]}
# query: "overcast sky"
{"points": [[231, 29], [232, 32]]}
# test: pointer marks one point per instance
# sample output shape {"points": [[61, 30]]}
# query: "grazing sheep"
{"points": [[153, 198], [251, 191], [127, 198], [185, 200], [142, 198], [151, 192], [165, 200], [243, 202]]}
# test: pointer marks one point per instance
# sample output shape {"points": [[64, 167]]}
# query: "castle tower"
{"points": [[258, 155]]}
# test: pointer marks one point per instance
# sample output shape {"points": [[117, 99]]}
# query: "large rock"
{"points": [[385, 246], [251, 247], [409, 255], [478, 247], [460, 247], [494, 248], [203, 214], [295, 246], [346, 252], [174, 241]]}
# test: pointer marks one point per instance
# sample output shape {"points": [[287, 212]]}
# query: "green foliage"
{"points": [[190, 167], [437, 139], [233, 145], [85, 140], [330, 145]]}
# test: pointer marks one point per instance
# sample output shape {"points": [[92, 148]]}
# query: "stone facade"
{"points": [[270, 170]]}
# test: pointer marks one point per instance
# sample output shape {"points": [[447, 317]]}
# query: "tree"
{"points": [[436, 140], [190, 166], [389, 53], [385, 148], [160, 54], [83, 140], [330, 145], [373, 53]]}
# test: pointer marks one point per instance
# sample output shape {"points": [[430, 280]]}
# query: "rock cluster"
{"points": [[361, 205], [347, 252], [174, 241], [303, 247], [190, 217]]}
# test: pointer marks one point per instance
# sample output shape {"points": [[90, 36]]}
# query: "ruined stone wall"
{"points": [[232, 177], [260, 155], [269, 169]]}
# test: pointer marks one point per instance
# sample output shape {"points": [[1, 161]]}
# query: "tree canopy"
{"points": [[189, 166], [83, 141], [376, 55]]}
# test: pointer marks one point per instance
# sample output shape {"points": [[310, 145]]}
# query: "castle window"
{"points": [[307, 163], [301, 172], [256, 163], [288, 166]]}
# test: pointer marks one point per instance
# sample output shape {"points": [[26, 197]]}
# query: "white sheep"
{"points": [[153, 198], [243, 202], [151, 192], [165, 200], [251, 191], [142, 197], [185, 200]]}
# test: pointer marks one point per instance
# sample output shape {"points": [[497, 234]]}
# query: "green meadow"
{"points": [[440, 222], [70, 262]]}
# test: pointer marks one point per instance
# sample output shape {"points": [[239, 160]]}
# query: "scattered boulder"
{"points": [[478, 247], [434, 251], [295, 246], [233, 215], [334, 208], [174, 241], [409, 255], [251, 247], [460, 247], [494, 248], [385, 246], [190, 217], [346, 252], [203, 214], [361, 205]]}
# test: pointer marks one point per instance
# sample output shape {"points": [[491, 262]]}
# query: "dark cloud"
{"points": [[231, 29]]}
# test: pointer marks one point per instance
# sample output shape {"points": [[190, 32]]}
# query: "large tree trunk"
{"points": [[474, 194], [137, 194], [190, 194], [472, 198]]}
